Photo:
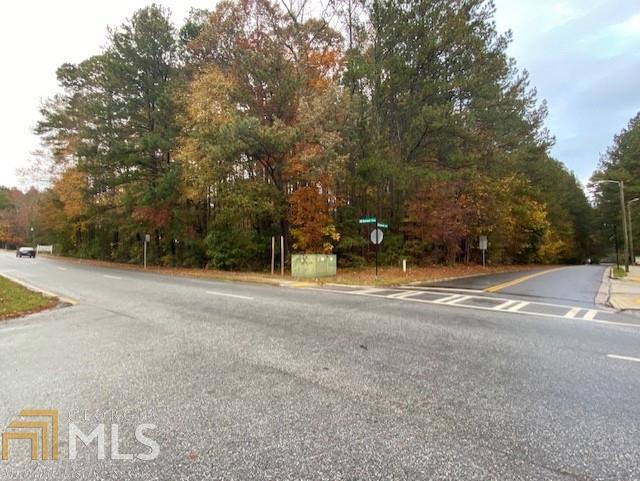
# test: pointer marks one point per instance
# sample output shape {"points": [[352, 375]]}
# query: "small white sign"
{"points": [[376, 236], [484, 243]]}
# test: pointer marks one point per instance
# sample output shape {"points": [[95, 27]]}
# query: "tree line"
{"points": [[621, 162], [261, 119]]}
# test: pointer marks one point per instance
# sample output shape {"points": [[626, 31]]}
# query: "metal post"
{"points": [[282, 255], [483, 259], [615, 241], [377, 248], [624, 228], [632, 256], [273, 254], [632, 253], [145, 251]]}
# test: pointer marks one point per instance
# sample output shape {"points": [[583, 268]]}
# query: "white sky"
{"points": [[583, 56]]}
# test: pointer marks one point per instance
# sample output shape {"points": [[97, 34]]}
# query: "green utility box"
{"points": [[313, 266]]}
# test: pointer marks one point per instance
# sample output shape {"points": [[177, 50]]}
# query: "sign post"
{"points": [[147, 238], [484, 243], [376, 238], [273, 254], [282, 255], [376, 235]]}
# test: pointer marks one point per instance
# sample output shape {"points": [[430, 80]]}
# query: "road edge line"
{"points": [[44, 292], [604, 291]]}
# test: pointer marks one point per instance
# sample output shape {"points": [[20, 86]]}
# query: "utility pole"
{"points": [[631, 251], [625, 232], [624, 228], [615, 241]]}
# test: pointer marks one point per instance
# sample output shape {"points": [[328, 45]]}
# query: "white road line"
{"points": [[572, 313], [460, 299], [483, 308], [236, 296], [446, 300], [443, 289], [367, 291], [518, 306], [17, 328], [590, 315], [504, 305], [112, 277], [61, 268], [623, 358], [404, 294]]}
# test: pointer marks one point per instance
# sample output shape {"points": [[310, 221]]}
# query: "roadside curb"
{"points": [[604, 292], [31, 287]]}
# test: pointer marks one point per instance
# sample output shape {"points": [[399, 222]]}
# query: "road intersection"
{"points": [[247, 381]]}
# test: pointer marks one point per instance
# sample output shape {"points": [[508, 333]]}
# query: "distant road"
{"points": [[574, 284], [247, 381]]}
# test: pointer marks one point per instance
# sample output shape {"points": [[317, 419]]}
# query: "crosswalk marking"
{"points": [[515, 306], [460, 299], [572, 313], [447, 299], [405, 294], [504, 305], [518, 306]]}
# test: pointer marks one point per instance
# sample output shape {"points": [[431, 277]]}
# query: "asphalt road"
{"points": [[249, 382], [576, 285]]}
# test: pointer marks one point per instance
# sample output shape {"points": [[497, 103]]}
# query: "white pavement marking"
{"points": [[504, 305], [17, 328], [368, 291], [623, 358], [230, 295], [484, 308], [448, 299], [61, 268], [443, 289], [517, 306], [590, 315], [572, 313], [460, 299], [112, 277], [404, 294]]}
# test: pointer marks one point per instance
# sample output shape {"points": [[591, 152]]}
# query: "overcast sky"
{"points": [[583, 56]]}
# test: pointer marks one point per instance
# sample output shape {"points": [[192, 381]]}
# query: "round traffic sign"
{"points": [[376, 236]]}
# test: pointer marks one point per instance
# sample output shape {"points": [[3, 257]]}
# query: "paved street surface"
{"points": [[575, 285], [248, 382]]}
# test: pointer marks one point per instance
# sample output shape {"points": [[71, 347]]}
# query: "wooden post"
{"points": [[273, 254], [282, 255]]}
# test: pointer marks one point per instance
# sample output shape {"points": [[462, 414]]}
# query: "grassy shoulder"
{"points": [[16, 300], [387, 276], [619, 272], [390, 276]]}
